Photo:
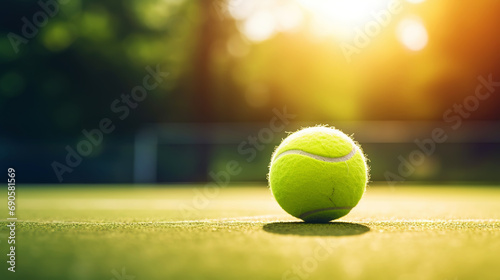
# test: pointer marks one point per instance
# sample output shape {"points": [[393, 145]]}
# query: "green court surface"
{"points": [[240, 232]]}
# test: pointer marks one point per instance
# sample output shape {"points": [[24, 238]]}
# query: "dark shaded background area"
{"points": [[223, 85]]}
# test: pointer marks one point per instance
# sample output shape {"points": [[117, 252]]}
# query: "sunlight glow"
{"points": [[260, 20], [412, 34], [259, 26], [342, 16]]}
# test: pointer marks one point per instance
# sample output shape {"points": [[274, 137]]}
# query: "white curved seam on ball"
{"points": [[309, 213], [317, 157]]}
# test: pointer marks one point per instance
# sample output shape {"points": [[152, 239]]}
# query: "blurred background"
{"points": [[146, 91]]}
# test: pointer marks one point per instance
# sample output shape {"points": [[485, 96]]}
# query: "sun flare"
{"points": [[342, 16]]}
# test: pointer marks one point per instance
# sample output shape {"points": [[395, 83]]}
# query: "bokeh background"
{"points": [[387, 72]]}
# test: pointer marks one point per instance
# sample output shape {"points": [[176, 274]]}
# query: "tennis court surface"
{"points": [[240, 232]]}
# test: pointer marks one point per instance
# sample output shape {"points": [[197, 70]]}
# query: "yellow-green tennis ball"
{"points": [[318, 174]]}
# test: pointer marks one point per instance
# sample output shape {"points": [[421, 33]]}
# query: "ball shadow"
{"points": [[311, 229]]}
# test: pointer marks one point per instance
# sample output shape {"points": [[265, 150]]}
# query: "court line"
{"points": [[276, 219], [308, 213]]}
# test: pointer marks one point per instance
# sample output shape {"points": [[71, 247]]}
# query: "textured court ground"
{"points": [[120, 232]]}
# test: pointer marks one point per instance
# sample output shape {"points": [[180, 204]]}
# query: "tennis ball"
{"points": [[318, 174]]}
